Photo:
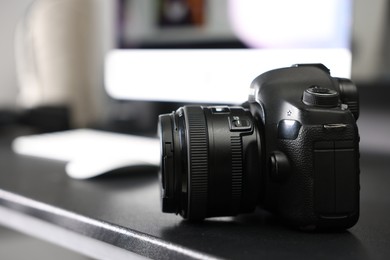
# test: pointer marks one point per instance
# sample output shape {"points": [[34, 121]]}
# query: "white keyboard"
{"points": [[90, 152]]}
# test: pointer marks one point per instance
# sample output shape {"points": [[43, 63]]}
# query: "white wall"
{"points": [[368, 39], [60, 53], [10, 13]]}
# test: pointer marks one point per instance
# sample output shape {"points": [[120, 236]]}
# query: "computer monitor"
{"points": [[209, 51]]}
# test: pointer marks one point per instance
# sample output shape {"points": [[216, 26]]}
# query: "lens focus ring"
{"points": [[236, 149], [197, 161]]}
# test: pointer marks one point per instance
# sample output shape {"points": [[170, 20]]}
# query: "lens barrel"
{"points": [[210, 161]]}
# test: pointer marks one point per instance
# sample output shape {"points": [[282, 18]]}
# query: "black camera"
{"points": [[292, 149]]}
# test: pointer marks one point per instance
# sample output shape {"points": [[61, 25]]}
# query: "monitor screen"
{"points": [[209, 51]]}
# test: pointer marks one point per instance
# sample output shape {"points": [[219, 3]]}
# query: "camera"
{"points": [[292, 149]]}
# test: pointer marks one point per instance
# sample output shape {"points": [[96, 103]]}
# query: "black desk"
{"points": [[117, 216]]}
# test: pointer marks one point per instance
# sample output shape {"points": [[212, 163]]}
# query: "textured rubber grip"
{"points": [[197, 161]]}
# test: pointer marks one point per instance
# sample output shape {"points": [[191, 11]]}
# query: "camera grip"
{"points": [[322, 189]]}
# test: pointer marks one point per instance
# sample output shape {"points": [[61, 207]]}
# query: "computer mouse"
{"points": [[92, 167]]}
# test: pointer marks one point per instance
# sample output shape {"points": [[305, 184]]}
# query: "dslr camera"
{"points": [[292, 149]]}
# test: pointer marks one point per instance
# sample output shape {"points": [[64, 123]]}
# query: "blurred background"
{"points": [[107, 64], [59, 61]]}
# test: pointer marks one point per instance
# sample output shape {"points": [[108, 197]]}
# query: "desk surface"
{"points": [[123, 210]]}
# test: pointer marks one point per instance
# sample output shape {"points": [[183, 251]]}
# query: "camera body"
{"points": [[311, 145], [294, 150]]}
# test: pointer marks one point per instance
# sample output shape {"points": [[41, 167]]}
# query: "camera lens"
{"points": [[210, 161]]}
